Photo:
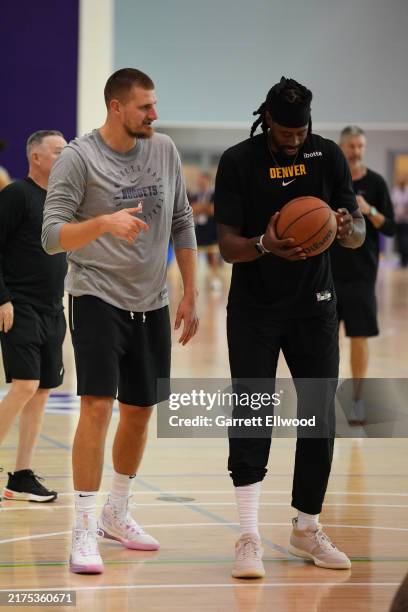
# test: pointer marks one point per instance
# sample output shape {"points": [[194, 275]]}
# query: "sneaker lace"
{"points": [[126, 521], [248, 549], [85, 539], [324, 540]]}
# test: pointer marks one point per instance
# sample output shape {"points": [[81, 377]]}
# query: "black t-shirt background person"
{"points": [[32, 322], [281, 300], [355, 271]]}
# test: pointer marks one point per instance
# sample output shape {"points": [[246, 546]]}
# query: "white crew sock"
{"points": [[85, 509], [248, 504], [120, 490], [307, 520]]}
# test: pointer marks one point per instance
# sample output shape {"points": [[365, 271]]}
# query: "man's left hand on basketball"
{"points": [[282, 248]]}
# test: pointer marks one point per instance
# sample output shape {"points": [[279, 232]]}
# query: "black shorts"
{"points": [[32, 349], [357, 307], [118, 353]]}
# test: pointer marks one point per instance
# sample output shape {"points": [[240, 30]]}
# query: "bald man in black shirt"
{"points": [[32, 322], [355, 271]]}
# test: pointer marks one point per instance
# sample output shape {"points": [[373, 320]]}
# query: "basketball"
{"points": [[310, 221]]}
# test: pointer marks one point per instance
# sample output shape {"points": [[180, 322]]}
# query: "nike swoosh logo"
{"points": [[288, 183]]}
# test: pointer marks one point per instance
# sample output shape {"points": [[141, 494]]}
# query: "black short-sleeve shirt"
{"points": [[362, 264], [249, 189], [27, 273]]}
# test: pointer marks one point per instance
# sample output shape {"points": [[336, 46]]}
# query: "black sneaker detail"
{"points": [[25, 481]]}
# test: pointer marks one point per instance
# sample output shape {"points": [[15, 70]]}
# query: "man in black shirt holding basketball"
{"points": [[280, 299]]}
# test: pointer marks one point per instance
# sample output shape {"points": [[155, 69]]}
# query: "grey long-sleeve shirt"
{"points": [[91, 179]]}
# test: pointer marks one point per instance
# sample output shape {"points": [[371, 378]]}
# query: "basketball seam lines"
{"points": [[311, 237], [304, 198], [300, 217]]}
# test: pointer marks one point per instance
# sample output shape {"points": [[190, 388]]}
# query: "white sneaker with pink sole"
{"points": [[85, 557], [114, 525]]}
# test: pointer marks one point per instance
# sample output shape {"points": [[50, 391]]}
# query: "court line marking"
{"points": [[108, 470], [223, 524], [150, 487], [229, 585], [196, 509], [184, 504], [203, 561], [282, 475], [35, 537], [231, 491]]}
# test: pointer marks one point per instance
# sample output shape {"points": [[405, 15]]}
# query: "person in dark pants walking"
{"points": [[281, 300], [399, 196]]}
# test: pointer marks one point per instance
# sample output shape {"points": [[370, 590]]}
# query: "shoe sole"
{"points": [[31, 497], [85, 569], [248, 574], [305, 555], [128, 543]]}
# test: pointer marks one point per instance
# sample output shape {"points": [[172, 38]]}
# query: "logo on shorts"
{"points": [[323, 296]]}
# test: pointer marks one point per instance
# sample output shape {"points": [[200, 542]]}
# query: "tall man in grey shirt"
{"points": [[115, 197]]}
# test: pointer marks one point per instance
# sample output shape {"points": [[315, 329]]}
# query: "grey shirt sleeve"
{"points": [[182, 226], [66, 190]]}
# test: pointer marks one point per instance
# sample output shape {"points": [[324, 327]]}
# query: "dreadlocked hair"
{"points": [[287, 90], [260, 120]]}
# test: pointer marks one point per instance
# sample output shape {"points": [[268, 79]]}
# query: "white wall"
{"points": [[95, 61], [214, 60]]}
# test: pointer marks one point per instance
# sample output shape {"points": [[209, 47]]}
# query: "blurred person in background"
{"points": [[4, 175], [202, 203], [399, 196], [32, 322], [355, 270]]}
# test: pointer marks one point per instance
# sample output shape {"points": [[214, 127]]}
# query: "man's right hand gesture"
{"points": [[124, 225], [6, 317], [282, 248]]}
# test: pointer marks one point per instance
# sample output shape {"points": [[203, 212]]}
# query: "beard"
{"points": [[147, 132], [280, 150]]}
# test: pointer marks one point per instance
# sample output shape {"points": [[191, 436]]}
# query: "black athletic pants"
{"points": [[402, 242], [310, 347]]}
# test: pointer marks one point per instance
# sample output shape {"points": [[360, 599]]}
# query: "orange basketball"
{"points": [[310, 221]]}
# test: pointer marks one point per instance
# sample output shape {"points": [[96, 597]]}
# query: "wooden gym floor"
{"points": [[184, 496]]}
